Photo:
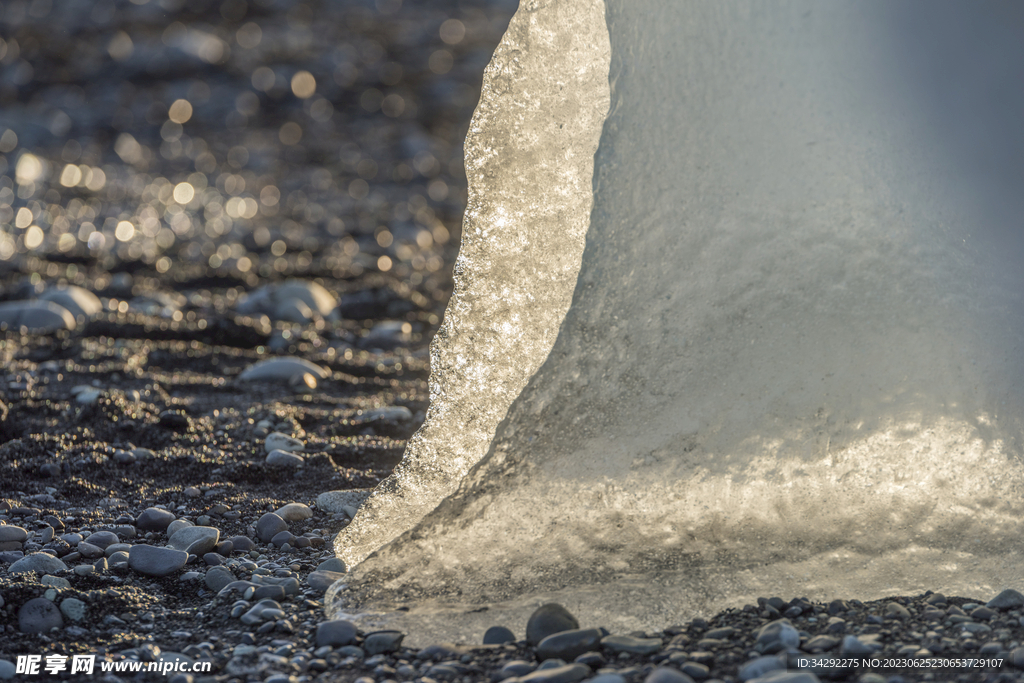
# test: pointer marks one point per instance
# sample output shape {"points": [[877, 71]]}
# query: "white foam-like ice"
{"points": [[792, 360]]}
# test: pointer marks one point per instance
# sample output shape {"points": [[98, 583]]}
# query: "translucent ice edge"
{"points": [[790, 363]]}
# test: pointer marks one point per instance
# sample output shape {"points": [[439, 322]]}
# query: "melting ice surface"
{"points": [[765, 340]]}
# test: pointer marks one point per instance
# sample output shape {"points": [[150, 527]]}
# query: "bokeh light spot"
{"points": [[303, 85]]}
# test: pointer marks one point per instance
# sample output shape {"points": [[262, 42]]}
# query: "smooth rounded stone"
{"points": [[336, 633], [241, 544], [224, 548], [261, 611], [155, 561], [89, 551], [388, 414], [50, 469], [55, 581], [37, 316], [1017, 657], [102, 539], [696, 670], [775, 636], [113, 548], [7, 670], [266, 593], [41, 563], [333, 564], [195, 540], [119, 556], [177, 525], [567, 673], [73, 609], [284, 459], [294, 512], [635, 646], [568, 644], [498, 635], [39, 615], [268, 526], [72, 539], [321, 580], [278, 441], [383, 642], [218, 577], [79, 301], [154, 519], [270, 298], [336, 501], [607, 678], [10, 533], [84, 570], [549, 619], [236, 586], [281, 369], [517, 667], [896, 610], [787, 677], [282, 538], [761, 666], [1006, 600], [664, 674]]}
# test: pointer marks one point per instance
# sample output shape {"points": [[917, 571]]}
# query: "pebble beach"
{"points": [[227, 234]]}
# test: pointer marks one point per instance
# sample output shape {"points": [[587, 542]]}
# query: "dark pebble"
{"points": [[154, 519], [335, 633], [547, 620], [268, 526], [39, 615], [497, 635], [569, 644]]}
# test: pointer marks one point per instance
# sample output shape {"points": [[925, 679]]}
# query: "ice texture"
{"points": [[792, 360], [530, 162]]}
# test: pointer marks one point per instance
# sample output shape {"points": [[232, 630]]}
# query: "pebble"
{"points": [[569, 673], [775, 636], [568, 644], [89, 551], [37, 316], [337, 501], [7, 670], [322, 580], [102, 539], [218, 577], [283, 442], [383, 642], [664, 674], [278, 300], [39, 615], [154, 519], [242, 543], [761, 666], [334, 564], [284, 459], [41, 563], [177, 525], [269, 525], [79, 301], [547, 620], [636, 646], [281, 369], [195, 540], [1007, 600], [335, 633], [154, 561], [497, 635], [10, 533], [73, 608], [896, 610]]}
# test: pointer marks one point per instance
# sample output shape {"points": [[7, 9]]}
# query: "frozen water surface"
{"points": [[792, 360]]}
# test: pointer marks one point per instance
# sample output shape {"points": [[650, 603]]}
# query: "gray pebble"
{"points": [[218, 577], [761, 666], [102, 539], [294, 512], [775, 636], [177, 525], [663, 674], [153, 561], [322, 580], [517, 667], [895, 609], [636, 646], [569, 673], [280, 458], [549, 619], [196, 540], [40, 563], [268, 526], [1006, 600], [14, 534], [383, 642], [279, 441], [37, 316], [73, 609], [39, 615], [154, 519], [242, 543], [7, 670], [334, 564], [335, 633], [281, 369], [283, 537], [569, 644], [55, 581]]}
